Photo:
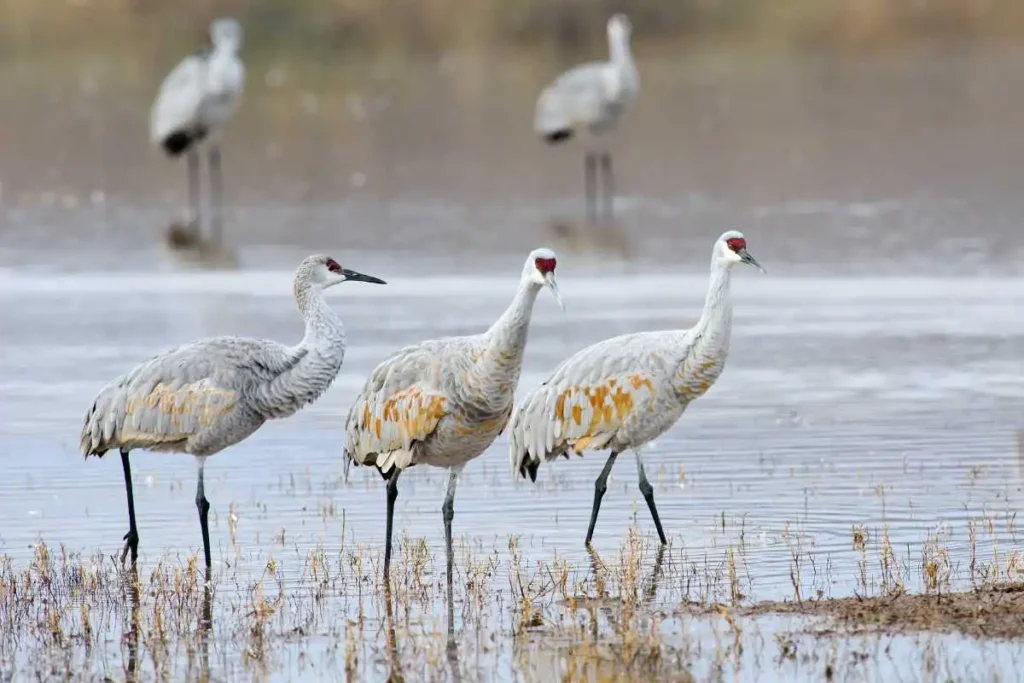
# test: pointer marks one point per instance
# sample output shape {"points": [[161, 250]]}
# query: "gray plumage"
{"points": [[591, 97], [443, 402], [205, 396], [623, 392]]}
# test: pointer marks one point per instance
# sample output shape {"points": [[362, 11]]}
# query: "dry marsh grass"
{"points": [[625, 616]]}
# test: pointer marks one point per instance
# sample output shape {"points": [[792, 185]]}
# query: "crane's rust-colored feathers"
{"points": [[389, 425], [399, 406], [593, 400]]}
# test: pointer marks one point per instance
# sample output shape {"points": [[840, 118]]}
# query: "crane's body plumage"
{"points": [[590, 98], [624, 392], [443, 402], [200, 94], [202, 397], [440, 403]]}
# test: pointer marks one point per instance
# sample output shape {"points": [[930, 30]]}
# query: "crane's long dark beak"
{"points": [[359, 277], [747, 258]]}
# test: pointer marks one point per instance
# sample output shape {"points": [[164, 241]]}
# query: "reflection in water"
{"points": [[131, 668], [203, 629], [600, 237], [190, 247], [452, 649], [395, 676]]}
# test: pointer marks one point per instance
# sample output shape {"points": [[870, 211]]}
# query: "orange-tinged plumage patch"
{"points": [[581, 444], [205, 402], [610, 402], [414, 413], [560, 407]]}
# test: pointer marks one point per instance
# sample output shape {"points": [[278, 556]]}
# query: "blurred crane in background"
{"points": [[590, 99], [195, 100]]}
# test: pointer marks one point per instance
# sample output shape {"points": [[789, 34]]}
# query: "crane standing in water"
{"points": [[195, 100], [591, 98], [443, 402], [203, 397], [624, 392]]}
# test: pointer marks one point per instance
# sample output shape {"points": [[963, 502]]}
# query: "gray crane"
{"points": [[205, 396], [443, 402], [623, 392], [591, 98], [194, 101]]}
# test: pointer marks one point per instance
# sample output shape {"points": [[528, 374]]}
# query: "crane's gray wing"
{"points": [[575, 98], [587, 400], [178, 101], [168, 399], [401, 403]]}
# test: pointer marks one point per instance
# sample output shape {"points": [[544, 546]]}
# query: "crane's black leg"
{"points": [[392, 495], [448, 512], [203, 506], [192, 164], [600, 486], [216, 196], [648, 491], [131, 539], [590, 185], [609, 185]]}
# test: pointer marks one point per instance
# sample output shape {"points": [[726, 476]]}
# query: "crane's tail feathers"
{"points": [[530, 468], [554, 137], [181, 141], [398, 459]]}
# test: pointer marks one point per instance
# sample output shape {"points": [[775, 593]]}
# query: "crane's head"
{"points": [[323, 271], [540, 270], [731, 247], [619, 28], [226, 32]]}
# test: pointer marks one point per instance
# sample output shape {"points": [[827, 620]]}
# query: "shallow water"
{"points": [[875, 379], [890, 403]]}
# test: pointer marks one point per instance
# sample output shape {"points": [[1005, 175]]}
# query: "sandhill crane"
{"points": [[626, 391], [194, 101], [205, 396], [443, 402], [591, 98]]}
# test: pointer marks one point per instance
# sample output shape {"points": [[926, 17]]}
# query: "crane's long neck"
{"points": [[310, 366], [716, 318], [710, 337], [619, 50], [504, 344]]}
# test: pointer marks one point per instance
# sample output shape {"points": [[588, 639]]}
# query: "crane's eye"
{"points": [[333, 266], [737, 244]]}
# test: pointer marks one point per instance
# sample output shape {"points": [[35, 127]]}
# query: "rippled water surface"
{"points": [[874, 386]]}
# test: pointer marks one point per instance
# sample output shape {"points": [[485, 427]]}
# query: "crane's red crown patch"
{"points": [[545, 265], [737, 244]]}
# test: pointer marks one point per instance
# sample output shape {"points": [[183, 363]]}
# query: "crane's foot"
{"points": [[131, 543]]}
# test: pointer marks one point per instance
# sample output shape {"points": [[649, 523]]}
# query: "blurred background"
{"points": [[878, 133]]}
